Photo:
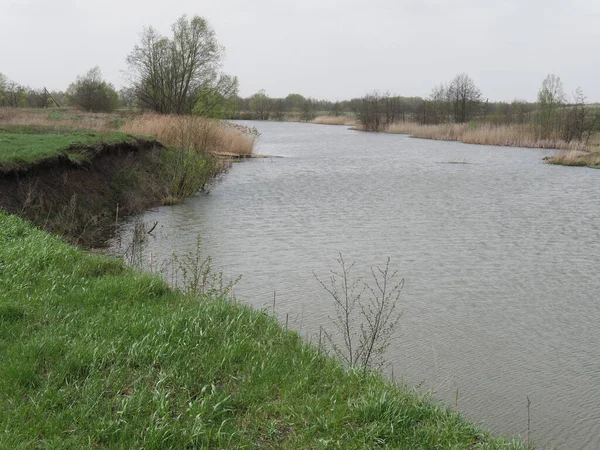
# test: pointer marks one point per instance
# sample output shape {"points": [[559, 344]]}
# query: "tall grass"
{"points": [[489, 134], [67, 118], [195, 133]]}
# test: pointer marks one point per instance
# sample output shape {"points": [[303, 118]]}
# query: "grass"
{"points": [[96, 355], [23, 145]]}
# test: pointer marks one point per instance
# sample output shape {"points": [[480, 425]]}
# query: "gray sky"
{"points": [[322, 48]]}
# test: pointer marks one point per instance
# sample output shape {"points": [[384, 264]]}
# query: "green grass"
{"points": [[96, 355], [27, 145]]}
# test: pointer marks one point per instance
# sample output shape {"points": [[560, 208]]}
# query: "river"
{"points": [[500, 256]]}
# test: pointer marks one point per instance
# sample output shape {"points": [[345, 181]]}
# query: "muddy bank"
{"points": [[80, 193]]}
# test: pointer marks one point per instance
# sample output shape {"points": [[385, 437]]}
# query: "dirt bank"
{"points": [[77, 194]]}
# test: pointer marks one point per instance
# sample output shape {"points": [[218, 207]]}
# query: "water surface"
{"points": [[500, 258]]}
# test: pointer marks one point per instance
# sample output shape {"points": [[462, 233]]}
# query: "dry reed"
{"points": [[575, 158], [488, 134], [335, 120], [195, 133]]}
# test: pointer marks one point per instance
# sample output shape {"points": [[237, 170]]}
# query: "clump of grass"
{"points": [[575, 158], [195, 133], [107, 357], [335, 120]]}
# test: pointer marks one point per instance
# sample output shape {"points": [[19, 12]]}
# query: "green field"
{"points": [[27, 145], [97, 355]]}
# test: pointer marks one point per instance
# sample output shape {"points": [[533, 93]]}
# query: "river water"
{"points": [[500, 258]]}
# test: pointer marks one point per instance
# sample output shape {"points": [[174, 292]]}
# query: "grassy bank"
{"points": [[187, 132], [96, 355], [80, 182], [22, 145]]}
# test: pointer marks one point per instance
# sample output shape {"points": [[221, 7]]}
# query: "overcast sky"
{"points": [[322, 48]]}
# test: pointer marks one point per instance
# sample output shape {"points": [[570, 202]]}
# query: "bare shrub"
{"points": [[366, 325]]}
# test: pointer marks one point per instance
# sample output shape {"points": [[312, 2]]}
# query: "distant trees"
{"points": [[551, 97], [278, 109], [337, 109], [308, 112], [376, 111], [370, 112], [260, 105], [294, 102], [11, 93], [3, 82], [464, 98], [180, 75], [91, 93]]}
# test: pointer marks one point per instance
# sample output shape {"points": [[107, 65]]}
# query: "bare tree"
{"points": [[551, 97], [370, 112], [464, 97], [575, 120], [170, 74]]}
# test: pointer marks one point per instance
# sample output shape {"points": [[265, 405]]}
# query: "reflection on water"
{"points": [[500, 257]]}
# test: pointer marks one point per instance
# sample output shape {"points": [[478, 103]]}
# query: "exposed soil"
{"points": [[81, 200]]}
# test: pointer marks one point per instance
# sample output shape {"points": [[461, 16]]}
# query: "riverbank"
{"points": [[572, 153], [98, 355], [80, 182]]}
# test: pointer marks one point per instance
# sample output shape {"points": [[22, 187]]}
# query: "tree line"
{"points": [[553, 116], [181, 74]]}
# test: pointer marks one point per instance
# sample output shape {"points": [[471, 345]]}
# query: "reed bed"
{"points": [[335, 120], [195, 133], [575, 158], [489, 134]]}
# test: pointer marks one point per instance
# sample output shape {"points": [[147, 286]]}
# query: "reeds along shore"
{"points": [[195, 133], [335, 120], [489, 134]]}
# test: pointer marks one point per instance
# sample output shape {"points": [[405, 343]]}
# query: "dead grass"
{"points": [[335, 120], [575, 158], [195, 133], [488, 134], [65, 118]]}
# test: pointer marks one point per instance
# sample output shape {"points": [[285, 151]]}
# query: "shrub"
{"points": [[90, 93]]}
